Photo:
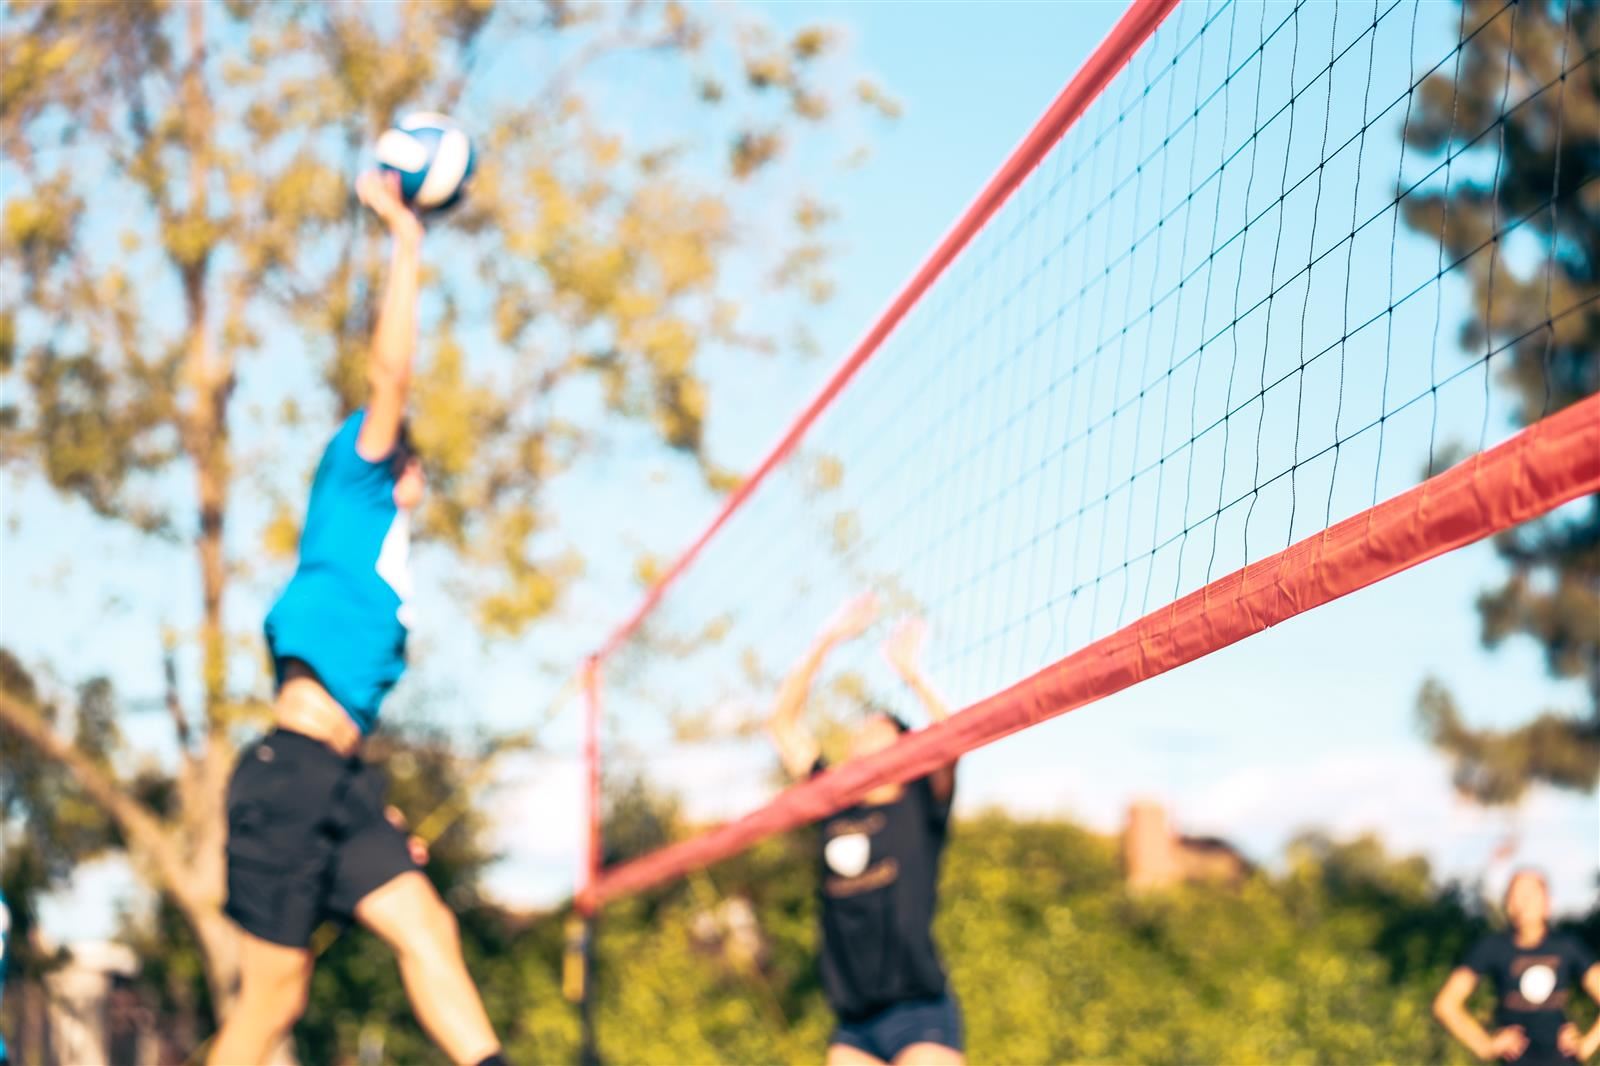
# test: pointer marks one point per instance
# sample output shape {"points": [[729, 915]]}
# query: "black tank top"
{"points": [[879, 872]]}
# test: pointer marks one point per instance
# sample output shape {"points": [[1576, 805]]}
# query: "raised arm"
{"points": [[1450, 1007], [903, 649], [394, 340], [797, 746]]}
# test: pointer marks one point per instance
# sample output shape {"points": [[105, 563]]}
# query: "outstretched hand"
{"points": [[852, 619], [903, 649], [380, 191]]}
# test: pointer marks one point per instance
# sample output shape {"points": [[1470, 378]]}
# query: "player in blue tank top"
{"points": [[344, 613], [310, 838]]}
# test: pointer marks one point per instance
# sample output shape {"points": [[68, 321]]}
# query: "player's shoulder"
{"points": [[1488, 949], [1570, 943], [340, 457], [350, 426]]}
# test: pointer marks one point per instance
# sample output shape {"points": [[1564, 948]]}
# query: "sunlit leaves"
{"points": [[39, 228], [280, 537], [874, 96], [753, 149], [45, 813], [91, 435], [450, 410], [195, 290], [827, 473], [595, 253]]}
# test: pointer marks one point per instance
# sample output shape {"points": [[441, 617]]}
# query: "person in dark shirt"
{"points": [[878, 871], [1533, 971]]}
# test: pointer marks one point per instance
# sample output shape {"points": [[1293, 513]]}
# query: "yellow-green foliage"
{"points": [[1334, 961], [591, 259]]}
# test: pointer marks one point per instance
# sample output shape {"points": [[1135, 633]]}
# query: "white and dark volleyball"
{"points": [[433, 156]]}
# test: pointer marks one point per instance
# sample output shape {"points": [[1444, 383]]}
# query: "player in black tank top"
{"points": [[878, 869], [1535, 972]]}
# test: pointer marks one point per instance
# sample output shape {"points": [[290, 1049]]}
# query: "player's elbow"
{"points": [[1442, 1006]]}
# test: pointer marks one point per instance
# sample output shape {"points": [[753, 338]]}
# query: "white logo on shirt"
{"points": [[394, 564], [847, 855], [1537, 983]]}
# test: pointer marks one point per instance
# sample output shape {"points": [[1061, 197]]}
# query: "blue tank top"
{"points": [[344, 612]]}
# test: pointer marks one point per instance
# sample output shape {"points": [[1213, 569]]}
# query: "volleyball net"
{"points": [[1274, 302]]}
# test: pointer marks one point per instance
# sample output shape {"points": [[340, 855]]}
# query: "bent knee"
{"points": [[431, 930]]}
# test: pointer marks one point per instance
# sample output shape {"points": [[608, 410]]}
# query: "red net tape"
{"points": [[1259, 274], [1548, 464]]}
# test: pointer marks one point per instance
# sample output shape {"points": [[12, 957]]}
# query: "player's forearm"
{"points": [[931, 701], [797, 749], [394, 339], [796, 687], [1589, 1044], [1464, 1027]]}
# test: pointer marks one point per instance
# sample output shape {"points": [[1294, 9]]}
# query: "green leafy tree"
{"points": [[177, 214], [1336, 960], [47, 826], [1548, 145]]}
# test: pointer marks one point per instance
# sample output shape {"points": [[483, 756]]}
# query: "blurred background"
{"points": [[685, 214]]}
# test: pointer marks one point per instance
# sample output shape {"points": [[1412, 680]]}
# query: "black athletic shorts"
{"points": [[886, 1034], [307, 837]]}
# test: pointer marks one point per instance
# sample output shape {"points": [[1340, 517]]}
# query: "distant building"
{"points": [[1155, 857], [82, 1013]]}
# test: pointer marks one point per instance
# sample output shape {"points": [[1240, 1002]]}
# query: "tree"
{"points": [[46, 826], [1335, 960], [1524, 91], [177, 220]]}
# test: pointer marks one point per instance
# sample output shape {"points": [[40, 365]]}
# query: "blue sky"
{"points": [[1309, 724]]}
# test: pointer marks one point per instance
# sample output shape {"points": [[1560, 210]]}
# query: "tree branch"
{"points": [[180, 722], [142, 830]]}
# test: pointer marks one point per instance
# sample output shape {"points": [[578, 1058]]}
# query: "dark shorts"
{"points": [[887, 1033], [307, 838]]}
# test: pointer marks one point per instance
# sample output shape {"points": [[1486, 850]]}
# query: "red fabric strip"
{"points": [[1546, 465]]}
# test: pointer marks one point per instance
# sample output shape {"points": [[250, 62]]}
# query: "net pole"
{"points": [[1548, 464], [1113, 53], [581, 939], [590, 872]]}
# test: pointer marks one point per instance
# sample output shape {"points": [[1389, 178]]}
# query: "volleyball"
{"points": [[433, 156]]}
